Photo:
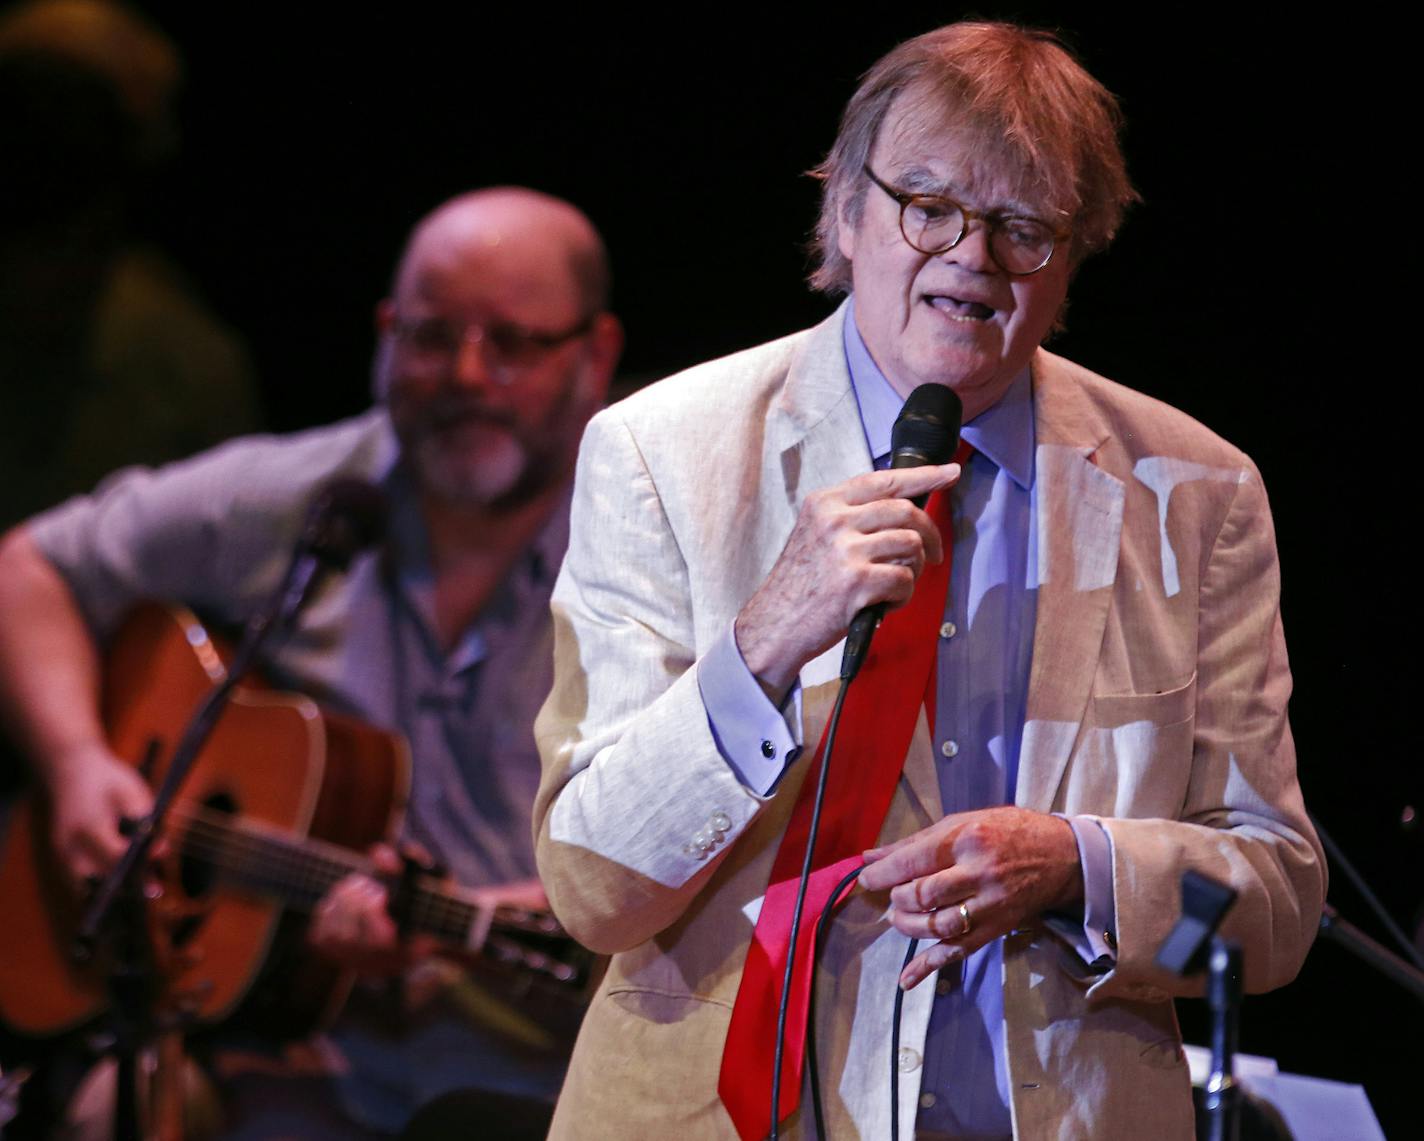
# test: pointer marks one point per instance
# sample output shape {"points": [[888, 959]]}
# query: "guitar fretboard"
{"points": [[300, 871]]}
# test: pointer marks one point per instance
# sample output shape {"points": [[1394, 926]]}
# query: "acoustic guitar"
{"points": [[280, 804]]}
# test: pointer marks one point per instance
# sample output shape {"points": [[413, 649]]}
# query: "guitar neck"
{"points": [[299, 871]]}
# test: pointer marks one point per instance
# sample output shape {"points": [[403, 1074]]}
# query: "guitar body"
{"points": [[274, 758]]}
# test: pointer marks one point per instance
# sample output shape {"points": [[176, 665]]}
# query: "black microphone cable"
{"points": [[801, 886], [822, 926], [895, 1045]]}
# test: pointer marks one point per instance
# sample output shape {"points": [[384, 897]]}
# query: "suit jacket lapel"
{"points": [[1078, 529], [815, 425]]}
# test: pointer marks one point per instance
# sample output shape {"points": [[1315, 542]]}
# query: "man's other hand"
{"points": [[853, 545], [1003, 866]]}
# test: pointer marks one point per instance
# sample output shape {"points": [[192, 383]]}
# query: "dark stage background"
{"points": [[1249, 289]]}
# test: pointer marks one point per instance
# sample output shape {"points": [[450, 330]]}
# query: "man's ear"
{"points": [[385, 319], [845, 232], [605, 346]]}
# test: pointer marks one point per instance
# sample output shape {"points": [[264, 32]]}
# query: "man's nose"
{"points": [[972, 251], [472, 365]]}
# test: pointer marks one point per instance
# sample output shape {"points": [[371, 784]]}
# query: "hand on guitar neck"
{"points": [[353, 926]]}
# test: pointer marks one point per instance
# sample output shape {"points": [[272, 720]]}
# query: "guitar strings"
{"points": [[307, 868], [258, 857], [291, 867]]}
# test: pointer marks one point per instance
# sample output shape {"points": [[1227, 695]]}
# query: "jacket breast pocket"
{"points": [[1165, 708], [1135, 753]]}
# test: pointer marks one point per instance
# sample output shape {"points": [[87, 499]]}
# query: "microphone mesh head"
{"points": [[928, 425]]}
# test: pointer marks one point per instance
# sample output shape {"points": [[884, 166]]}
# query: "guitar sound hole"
{"points": [[203, 849]]}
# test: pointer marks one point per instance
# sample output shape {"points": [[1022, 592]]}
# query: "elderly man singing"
{"points": [[1078, 694]]}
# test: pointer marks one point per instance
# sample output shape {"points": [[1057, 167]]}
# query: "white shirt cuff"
{"points": [[756, 739]]}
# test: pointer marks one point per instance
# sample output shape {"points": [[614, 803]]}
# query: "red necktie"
{"points": [[878, 720]]}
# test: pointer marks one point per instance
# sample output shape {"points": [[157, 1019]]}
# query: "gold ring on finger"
{"points": [[968, 923]]}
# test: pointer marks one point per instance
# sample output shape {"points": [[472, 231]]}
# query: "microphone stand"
{"points": [[116, 918], [279, 615], [1345, 934], [1223, 1095], [118, 914], [1407, 971], [1192, 944]]}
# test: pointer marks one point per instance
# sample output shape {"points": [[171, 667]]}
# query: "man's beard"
{"points": [[508, 467]]}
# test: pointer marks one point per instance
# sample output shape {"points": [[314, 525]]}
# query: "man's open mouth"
{"points": [[961, 310]]}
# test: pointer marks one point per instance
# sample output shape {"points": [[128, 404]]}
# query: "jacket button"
{"points": [[719, 822], [768, 750]]}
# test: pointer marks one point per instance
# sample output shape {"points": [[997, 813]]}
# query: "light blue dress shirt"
{"points": [[985, 650]]}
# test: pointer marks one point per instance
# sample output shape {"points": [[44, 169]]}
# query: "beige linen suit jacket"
{"points": [[1157, 704]]}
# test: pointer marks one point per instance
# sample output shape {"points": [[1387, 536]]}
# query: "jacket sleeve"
{"points": [[1243, 821], [636, 805]]}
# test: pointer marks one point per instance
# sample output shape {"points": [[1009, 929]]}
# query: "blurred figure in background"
{"points": [[107, 357]]}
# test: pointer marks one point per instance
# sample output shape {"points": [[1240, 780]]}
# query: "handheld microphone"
{"points": [[925, 432]]}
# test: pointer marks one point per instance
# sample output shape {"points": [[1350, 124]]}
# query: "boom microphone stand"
{"points": [[344, 518]]}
